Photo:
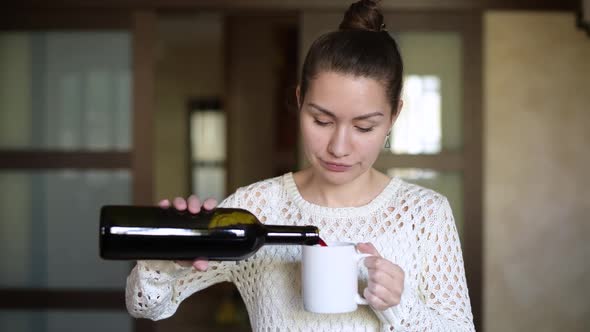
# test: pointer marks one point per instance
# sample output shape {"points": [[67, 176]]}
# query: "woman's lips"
{"points": [[335, 167]]}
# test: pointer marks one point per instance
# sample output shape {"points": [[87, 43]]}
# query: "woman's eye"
{"points": [[364, 130], [321, 123]]}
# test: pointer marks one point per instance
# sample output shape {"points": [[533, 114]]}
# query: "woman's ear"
{"points": [[298, 95], [400, 104]]}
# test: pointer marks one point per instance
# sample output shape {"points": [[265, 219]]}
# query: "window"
{"points": [[418, 128], [208, 148]]}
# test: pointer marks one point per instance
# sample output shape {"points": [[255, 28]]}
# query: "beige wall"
{"points": [[192, 62], [252, 80], [189, 64], [537, 189]]}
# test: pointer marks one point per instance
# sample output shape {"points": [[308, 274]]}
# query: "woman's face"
{"points": [[344, 121]]}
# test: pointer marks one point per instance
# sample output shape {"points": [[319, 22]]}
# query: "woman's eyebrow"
{"points": [[322, 110], [360, 117], [370, 115]]}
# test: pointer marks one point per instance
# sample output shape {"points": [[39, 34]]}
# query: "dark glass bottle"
{"points": [[146, 232]]}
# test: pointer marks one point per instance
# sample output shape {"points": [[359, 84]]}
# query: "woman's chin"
{"points": [[338, 178]]}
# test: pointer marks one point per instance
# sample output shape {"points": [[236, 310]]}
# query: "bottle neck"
{"points": [[308, 235]]}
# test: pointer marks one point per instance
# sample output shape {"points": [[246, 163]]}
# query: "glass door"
{"points": [[67, 147]]}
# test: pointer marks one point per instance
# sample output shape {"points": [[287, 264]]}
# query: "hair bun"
{"points": [[363, 15]]}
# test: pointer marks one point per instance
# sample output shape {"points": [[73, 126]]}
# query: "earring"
{"points": [[388, 141]]}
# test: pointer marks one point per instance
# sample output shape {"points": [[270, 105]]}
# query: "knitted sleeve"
{"points": [[441, 300], [156, 288]]}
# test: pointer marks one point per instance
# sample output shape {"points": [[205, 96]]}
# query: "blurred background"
{"points": [[129, 102]]}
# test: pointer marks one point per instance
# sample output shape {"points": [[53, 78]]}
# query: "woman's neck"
{"points": [[358, 192]]}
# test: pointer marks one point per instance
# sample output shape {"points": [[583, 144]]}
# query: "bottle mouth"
{"points": [[311, 238], [307, 235]]}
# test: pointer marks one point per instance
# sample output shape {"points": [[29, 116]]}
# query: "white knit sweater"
{"points": [[411, 226]]}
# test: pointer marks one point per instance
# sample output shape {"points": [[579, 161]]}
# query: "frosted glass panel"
{"points": [[209, 182], [65, 90], [418, 129], [431, 120], [449, 184], [59, 321], [208, 149], [208, 135], [49, 228]]}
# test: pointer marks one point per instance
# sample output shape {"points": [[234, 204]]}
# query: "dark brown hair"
{"points": [[361, 47]]}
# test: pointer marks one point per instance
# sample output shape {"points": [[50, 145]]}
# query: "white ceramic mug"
{"points": [[329, 278]]}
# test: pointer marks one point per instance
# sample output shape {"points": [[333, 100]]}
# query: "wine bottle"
{"points": [[147, 232]]}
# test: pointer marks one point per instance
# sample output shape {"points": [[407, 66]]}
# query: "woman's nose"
{"points": [[339, 145]]}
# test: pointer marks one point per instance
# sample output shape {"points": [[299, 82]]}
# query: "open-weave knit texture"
{"points": [[411, 226]]}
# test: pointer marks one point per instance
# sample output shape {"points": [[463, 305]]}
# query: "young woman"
{"points": [[349, 97]]}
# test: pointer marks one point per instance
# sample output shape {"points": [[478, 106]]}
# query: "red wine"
{"points": [[322, 243], [134, 232]]}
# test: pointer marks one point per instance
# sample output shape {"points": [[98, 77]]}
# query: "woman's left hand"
{"points": [[386, 280]]}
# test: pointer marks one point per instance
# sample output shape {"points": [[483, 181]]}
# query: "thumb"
{"points": [[367, 248]]}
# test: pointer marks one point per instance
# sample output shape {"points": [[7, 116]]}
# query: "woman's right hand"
{"points": [[193, 204]]}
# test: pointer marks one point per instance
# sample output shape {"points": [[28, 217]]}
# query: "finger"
{"points": [[179, 203], [210, 204], [385, 266], [194, 204], [201, 265], [388, 288], [390, 293], [164, 204], [367, 248], [184, 263], [374, 301], [383, 276]]}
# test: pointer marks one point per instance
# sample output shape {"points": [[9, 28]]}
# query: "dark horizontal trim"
{"points": [[72, 18], [209, 163], [290, 5], [43, 299], [428, 21], [205, 104], [561, 5], [60, 159], [440, 162]]}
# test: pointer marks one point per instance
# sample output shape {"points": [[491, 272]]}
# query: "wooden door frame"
{"points": [[468, 161]]}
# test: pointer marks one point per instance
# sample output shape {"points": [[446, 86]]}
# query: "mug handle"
{"points": [[360, 258]]}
